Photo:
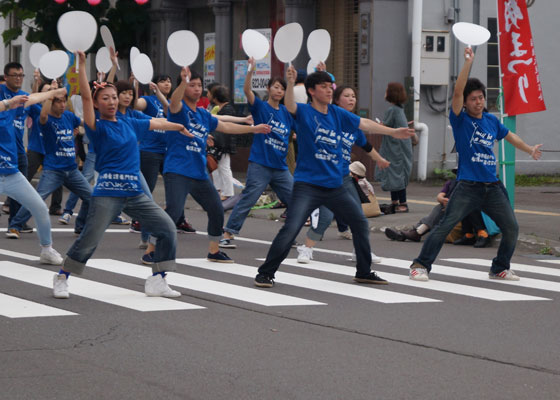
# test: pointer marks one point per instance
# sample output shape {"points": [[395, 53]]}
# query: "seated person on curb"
{"points": [[478, 187], [432, 219]]}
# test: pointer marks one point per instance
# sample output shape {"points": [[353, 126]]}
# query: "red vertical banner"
{"points": [[520, 73]]}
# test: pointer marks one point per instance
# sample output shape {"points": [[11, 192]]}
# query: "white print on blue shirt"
{"points": [[116, 182], [6, 162], [329, 138], [479, 138]]}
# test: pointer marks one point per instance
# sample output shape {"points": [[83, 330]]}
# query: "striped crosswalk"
{"points": [[320, 280]]}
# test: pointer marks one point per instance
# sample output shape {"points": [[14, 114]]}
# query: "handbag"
{"points": [[213, 155]]}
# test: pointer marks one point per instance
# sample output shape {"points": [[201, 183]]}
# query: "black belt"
{"points": [[482, 183]]}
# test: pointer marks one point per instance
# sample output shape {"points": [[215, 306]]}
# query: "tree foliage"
{"points": [[128, 21]]}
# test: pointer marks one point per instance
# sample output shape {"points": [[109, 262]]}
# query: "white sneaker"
{"points": [[374, 258], [505, 275], [418, 274], [345, 235], [60, 286], [50, 256], [305, 254], [156, 286], [64, 219]]}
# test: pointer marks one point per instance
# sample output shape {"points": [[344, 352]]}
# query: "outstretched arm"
{"points": [[373, 127], [518, 143], [381, 162], [14, 102], [235, 129], [35, 98], [162, 124], [457, 102]]}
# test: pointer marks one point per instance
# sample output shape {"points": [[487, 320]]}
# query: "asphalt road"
{"points": [[315, 335]]}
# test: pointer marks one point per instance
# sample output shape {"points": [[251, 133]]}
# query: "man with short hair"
{"points": [[478, 187], [318, 175]]}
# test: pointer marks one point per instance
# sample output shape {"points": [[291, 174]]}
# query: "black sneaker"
{"points": [[135, 227], [465, 241], [77, 231], [394, 234], [372, 278], [264, 281], [185, 227], [220, 257], [26, 229], [482, 241]]}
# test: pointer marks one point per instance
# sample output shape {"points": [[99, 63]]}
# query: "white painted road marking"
{"points": [[14, 307], [514, 266]]}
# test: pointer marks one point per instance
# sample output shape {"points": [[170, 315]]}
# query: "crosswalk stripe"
{"points": [[249, 295], [477, 275], [94, 290], [514, 266], [472, 291], [14, 307], [550, 261], [15, 254], [322, 285]]}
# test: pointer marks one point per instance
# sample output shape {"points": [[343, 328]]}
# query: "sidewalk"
{"points": [[536, 208]]}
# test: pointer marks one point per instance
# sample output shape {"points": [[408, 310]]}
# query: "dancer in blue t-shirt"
{"points": [[12, 181], [478, 188], [115, 142], [267, 160], [318, 175], [185, 161], [59, 165]]}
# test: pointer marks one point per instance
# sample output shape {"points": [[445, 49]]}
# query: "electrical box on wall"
{"points": [[434, 58]]}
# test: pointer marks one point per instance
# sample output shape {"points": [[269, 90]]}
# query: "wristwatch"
{"points": [[6, 104]]}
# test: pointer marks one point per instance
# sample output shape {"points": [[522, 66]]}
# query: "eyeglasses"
{"points": [[16, 75]]}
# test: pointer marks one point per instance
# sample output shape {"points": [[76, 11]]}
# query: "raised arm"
{"points": [[114, 61], [162, 99], [236, 129], [457, 102], [289, 101], [46, 109], [518, 143], [85, 93], [247, 86], [178, 94], [35, 98]]}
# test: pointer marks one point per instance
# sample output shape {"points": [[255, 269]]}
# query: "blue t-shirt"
{"points": [[348, 140], [474, 138], [8, 147], [271, 150], [34, 135], [185, 155], [115, 144], [20, 116], [58, 138], [130, 113], [319, 160], [156, 142]]}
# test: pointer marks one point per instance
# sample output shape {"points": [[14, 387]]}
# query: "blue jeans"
{"points": [[178, 187], [34, 161], [88, 170], [49, 182], [467, 197], [151, 164], [306, 198], [258, 178], [22, 167], [17, 187], [103, 210], [326, 215]]}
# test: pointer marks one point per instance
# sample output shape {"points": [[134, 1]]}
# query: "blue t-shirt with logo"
{"points": [[270, 150], [347, 141], [8, 147], [115, 144], [34, 135], [319, 160], [474, 138], [20, 116], [130, 113], [156, 142], [185, 155], [58, 138]]}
